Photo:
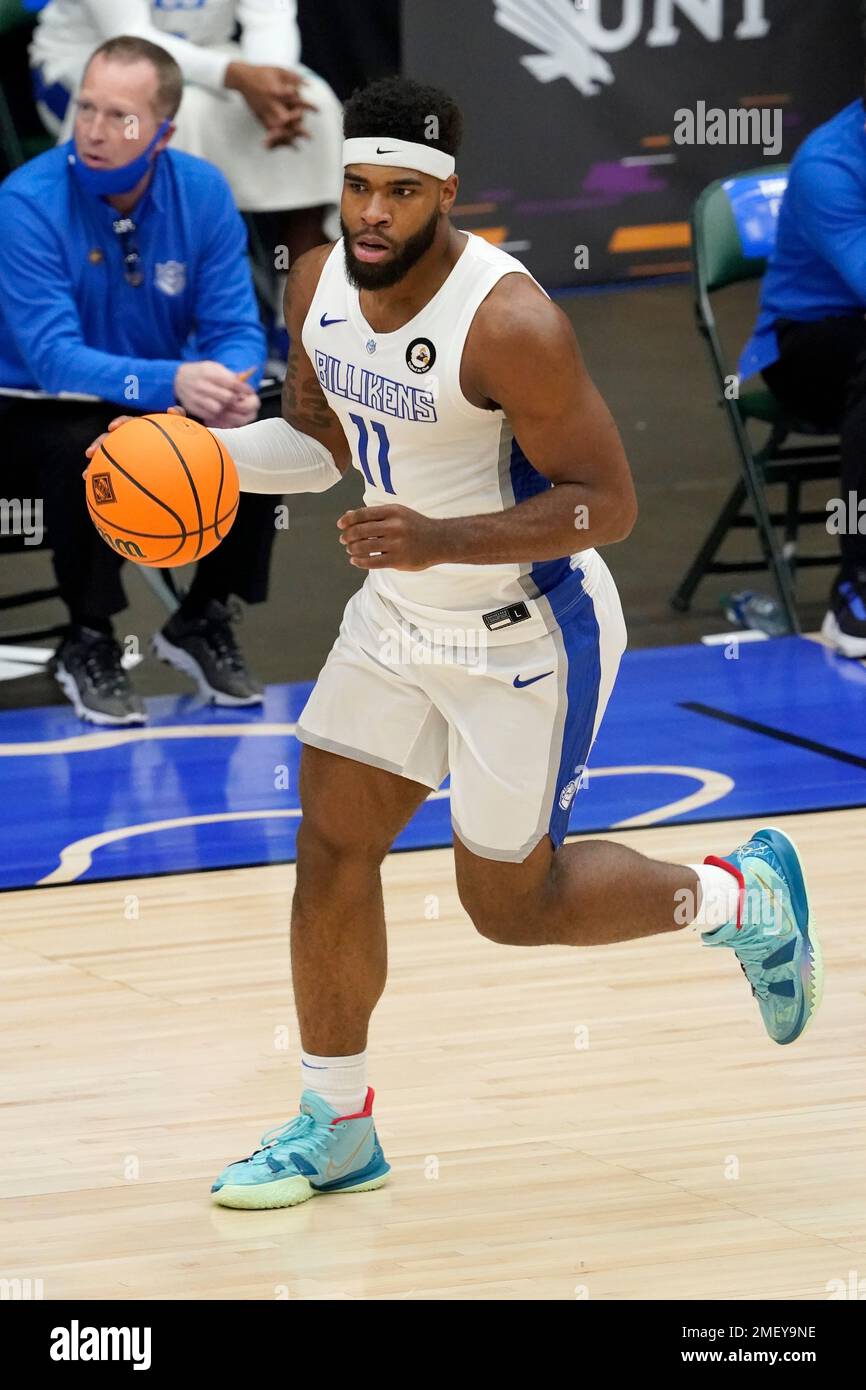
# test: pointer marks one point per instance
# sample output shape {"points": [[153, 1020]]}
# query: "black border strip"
{"points": [[825, 750]]}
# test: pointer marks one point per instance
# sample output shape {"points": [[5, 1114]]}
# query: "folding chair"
{"points": [[733, 232], [21, 135], [161, 582], [14, 545]]}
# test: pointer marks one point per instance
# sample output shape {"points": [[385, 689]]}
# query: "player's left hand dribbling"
{"points": [[390, 537]]}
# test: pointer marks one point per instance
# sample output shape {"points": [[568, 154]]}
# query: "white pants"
{"points": [[513, 723]]}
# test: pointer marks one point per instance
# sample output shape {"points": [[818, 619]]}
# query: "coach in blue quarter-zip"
{"points": [[114, 252]]}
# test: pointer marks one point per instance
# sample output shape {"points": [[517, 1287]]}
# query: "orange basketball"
{"points": [[161, 490]]}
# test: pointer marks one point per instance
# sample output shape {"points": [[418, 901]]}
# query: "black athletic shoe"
{"points": [[845, 623], [205, 648], [87, 667]]}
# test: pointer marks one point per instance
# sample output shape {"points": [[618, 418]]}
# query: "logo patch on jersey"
{"points": [[570, 790], [169, 276], [567, 795], [420, 355], [103, 488], [325, 322], [370, 345]]}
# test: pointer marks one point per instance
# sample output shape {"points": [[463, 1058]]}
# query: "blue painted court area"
{"points": [[690, 734]]}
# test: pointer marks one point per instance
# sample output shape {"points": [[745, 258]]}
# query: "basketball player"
{"points": [[436, 365]]}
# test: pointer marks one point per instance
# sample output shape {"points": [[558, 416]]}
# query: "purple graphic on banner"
{"points": [[621, 179]]}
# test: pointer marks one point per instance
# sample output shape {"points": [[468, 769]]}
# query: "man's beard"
{"points": [[367, 275]]}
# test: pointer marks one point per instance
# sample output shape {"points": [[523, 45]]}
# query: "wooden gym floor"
{"points": [[610, 1123]]}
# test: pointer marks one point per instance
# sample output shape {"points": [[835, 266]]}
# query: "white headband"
{"points": [[404, 154]]}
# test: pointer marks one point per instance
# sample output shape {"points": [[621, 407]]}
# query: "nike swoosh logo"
{"points": [[519, 684], [380, 151], [325, 322], [338, 1170]]}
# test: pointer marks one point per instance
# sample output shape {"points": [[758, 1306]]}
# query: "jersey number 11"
{"points": [[363, 440]]}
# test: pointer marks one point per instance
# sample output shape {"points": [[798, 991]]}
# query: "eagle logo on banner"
{"points": [[556, 27]]}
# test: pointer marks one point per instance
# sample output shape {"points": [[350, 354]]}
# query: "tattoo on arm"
{"points": [[304, 402]]}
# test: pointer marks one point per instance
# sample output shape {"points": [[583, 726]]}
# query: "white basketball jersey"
{"points": [[418, 441]]}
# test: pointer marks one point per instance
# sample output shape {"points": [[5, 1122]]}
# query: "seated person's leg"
{"points": [[198, 639], [815, 361], [820, 377], [845, 623], [87, 663]]}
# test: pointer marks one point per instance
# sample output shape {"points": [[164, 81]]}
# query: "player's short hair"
{"points": [[127, 48], [404, 110]]}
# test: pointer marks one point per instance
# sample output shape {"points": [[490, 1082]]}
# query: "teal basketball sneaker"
{"points": [[318, 1151], [772, 938]]}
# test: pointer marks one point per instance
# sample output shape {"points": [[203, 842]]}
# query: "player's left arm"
{"points": [[520, 354]]}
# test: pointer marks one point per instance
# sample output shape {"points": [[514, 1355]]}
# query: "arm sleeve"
{"points": [[227, 326], [42, 317], [269, 32], [831, 214], [273, 456], [198, 64]]}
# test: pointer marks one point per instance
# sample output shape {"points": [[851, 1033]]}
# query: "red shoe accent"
{"points": [[365, 1114], [732, 869]]}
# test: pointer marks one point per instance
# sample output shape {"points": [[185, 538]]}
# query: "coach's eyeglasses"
{"points": [[133, 273]]}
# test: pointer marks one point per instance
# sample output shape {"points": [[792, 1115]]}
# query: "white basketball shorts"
{"points": [[512, 723]]}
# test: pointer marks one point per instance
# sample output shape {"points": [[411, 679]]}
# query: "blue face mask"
{"points": [[104, 182]]}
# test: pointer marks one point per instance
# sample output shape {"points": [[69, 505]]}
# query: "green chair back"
{"points": [[721, 257]]}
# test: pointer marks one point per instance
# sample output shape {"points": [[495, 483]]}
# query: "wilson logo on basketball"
{"points": [[103, 491], [124, 547]]}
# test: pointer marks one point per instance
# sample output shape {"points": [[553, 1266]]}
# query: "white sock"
{"points": [[720, 893], [341, 1081]]}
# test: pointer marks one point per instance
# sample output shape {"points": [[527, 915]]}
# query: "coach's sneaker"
{"points": [[845, 623], [206, 649], [773, 939], [319, 1151], [88, 669]]}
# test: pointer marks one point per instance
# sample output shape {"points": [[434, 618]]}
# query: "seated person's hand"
{"points": [[242, 411], [209, 391], [290, 129], [273, 96]]}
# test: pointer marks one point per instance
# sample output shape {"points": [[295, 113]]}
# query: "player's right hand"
{"points": [[121, 420]]}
